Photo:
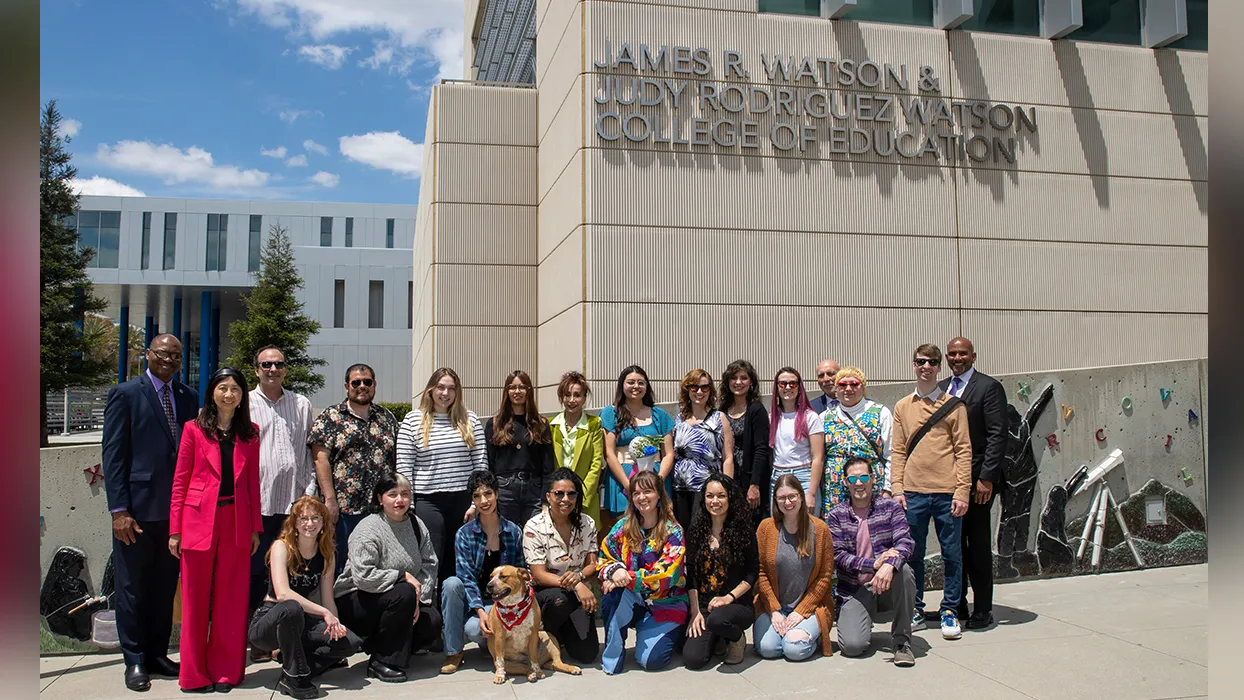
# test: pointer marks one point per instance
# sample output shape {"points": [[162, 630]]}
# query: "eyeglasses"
{"points": [[518, 387], [356, 383], [787, 385], [700, 388], [849, 385], [788, 499], [859, 478], [166, 356], [565, 495], [922, 361], [310, 519], [269, 364]]}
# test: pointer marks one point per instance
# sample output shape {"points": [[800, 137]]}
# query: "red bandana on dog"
{"points": [[513, 615]]}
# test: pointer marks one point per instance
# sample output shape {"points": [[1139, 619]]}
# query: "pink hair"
{"points": [[802, 408]]}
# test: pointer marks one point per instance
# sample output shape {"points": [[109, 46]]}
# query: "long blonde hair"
{"points": [[457, 411], [289, 535], [634, 530]]}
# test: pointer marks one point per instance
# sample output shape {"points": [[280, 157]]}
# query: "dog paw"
{"points": [[575, 671], [498, 679], [535, 675]]}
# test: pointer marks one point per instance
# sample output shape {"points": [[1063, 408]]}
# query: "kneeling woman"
{"points": [[794, 596], [560, 547], [642, 578], [722, 565], [385, 592], [298, 615]]}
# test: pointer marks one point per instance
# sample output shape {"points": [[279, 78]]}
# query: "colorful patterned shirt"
{"points": [[359, 451], [887, 526], [470, 550], [698, 451], [658, 569]]}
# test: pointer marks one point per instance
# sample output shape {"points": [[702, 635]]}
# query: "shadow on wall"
{"points": [[1190, 141], [1088, 126]]}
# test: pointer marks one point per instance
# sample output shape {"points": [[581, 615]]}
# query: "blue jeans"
{"points": [[771, 646], [920, 507], [346, 522], [458, 621], [654, 641]]}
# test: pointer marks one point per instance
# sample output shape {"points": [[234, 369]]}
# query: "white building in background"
{"points": [[181, 266]]}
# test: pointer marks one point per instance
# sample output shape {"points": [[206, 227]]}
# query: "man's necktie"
{"points": [[167, 402], [954, 386]]}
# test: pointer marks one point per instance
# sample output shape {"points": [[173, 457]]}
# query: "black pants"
{"points": [[977, 557], [259, 570], [519, 496], [442, 513], [386, 622], [146, 576], [565, 619], [305, 648], [728, 622], [686, 505]]}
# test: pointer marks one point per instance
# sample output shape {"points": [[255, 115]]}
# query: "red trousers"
{"points": [[214, 589]]}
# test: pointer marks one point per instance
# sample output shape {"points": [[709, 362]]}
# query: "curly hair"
{"points": [[564, 474], [753, 391], [735, 533], [689, 380]]}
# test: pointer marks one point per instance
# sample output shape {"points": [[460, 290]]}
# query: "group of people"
{"points": [[363, 533]]}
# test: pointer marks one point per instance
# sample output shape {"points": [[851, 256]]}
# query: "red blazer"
{"points": [[196, 487]]}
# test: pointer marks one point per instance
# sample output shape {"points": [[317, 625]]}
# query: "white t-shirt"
{"points": [[786, 451]]}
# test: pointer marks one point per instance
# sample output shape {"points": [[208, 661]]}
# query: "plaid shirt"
{"points": [[470, 548], [887, 527]]}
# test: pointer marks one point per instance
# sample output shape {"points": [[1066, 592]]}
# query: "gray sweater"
{"points": [[382, 552]]}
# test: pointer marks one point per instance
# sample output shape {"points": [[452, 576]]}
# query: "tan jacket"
{"points": [[942, 462]]}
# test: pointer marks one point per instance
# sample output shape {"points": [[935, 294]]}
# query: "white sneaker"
{"points": [[950, 625]]}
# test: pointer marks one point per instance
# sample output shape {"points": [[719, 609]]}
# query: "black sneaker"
{"points": [[299, 687], [980, 620]]}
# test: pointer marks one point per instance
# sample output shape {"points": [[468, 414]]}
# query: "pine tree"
{"points": [[274, 317], [65, 293]]}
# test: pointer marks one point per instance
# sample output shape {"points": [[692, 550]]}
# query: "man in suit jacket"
{"points": [[142, 429], [986, 403], [825, 373]]}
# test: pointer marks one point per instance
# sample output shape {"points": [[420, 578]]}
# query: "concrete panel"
{"points": [[483, 356], [561, 278], [459, 108], [551, 19], [485, 295], [724, 266], [739, 192], [564, 54], [560, 343], [73, 513], [563, 139], [485, 234], [1045, 206], [511, 174], [561, 210]]}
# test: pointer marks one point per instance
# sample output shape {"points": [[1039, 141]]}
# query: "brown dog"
{"points": [[517, 643]]}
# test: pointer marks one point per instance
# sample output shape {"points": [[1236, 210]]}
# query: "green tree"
{"points": [[65, 293], [274, 317], [101, 334]]}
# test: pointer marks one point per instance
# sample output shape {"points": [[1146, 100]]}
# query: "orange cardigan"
{"points": [[818, 597]]}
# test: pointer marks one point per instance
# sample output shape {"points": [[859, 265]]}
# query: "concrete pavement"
{"points": [[1129, 636]]}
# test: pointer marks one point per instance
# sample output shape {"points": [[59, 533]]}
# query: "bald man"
{"points": [[987, 425], [825, 378]]}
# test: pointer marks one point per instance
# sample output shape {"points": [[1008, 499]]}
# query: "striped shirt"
{"points": [[285, 464], [445, 463], [888, 529]]}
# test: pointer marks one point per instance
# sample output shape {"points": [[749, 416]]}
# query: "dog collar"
{"points": [[513, 615]]}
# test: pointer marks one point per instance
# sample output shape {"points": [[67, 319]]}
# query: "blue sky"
{"points": [[321, 100]]}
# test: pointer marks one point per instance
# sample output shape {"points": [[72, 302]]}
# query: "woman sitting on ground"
{"points": [[642, 578], [298, 616], [722, 565], [385, 591], [560, 547], [794, 595]]}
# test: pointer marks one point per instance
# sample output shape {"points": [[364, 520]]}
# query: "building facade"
{"points": [[181, 266], [686, 183]]}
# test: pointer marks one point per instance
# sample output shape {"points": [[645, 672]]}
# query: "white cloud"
{"points": [[329, 56], [315, 147], [298, 161], [70, 127], [173, 165], [405, 32], [324, 179], [384, 150], [278, 152], [104, 187], [292, 115]]}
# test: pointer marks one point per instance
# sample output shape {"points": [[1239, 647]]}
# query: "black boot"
{"points": [[385, 673], [299, 687]]}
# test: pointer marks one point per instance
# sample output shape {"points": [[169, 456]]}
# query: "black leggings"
{"points": [[442, 513], [729, 622], [686, 505], [384, 622], [565, 619], [305, 647]]}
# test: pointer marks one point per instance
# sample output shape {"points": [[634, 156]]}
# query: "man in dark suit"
{"points": [[142, 429], [986, 403], [825, 373]]}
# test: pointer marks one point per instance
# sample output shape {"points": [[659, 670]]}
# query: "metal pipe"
{"points": [[1088, 522]]}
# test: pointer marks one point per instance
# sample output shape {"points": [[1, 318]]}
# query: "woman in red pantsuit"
{"points": [[214, 527]]}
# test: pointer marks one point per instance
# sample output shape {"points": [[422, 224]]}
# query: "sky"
{"points": [[299, 100]]}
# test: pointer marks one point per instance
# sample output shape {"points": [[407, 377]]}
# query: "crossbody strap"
{"points": [[939, 414], [862, 434]]}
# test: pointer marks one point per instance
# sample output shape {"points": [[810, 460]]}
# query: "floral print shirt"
{"points": [[359, 451]]}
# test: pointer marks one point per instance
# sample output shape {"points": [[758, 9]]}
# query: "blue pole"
{"points": [[148, 336], [177, 332], [215, 339], [123, 345], [205, 333]]}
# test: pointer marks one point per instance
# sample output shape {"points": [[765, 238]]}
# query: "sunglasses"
{"points": [[788, 385], [565, 495], [356, 383], [922, 361], [849, 385], [269, 364], [700, 388], [859, 479]]}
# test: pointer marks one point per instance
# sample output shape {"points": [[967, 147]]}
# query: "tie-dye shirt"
{"points": [[658, 569]]}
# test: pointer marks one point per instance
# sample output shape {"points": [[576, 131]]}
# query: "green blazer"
{"points": [[589, 456]]}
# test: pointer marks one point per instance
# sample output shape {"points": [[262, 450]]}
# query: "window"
{"points": [[810, 8], [375, 304], [916, 12], [339, 304], [1109, 21], [170, 240], [254, 243], [101, 232], [349, 231], [326, 231], [388, 233], [1005, 17], [1198, 27], [410, 304], [217, 240], [145, 262]]}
